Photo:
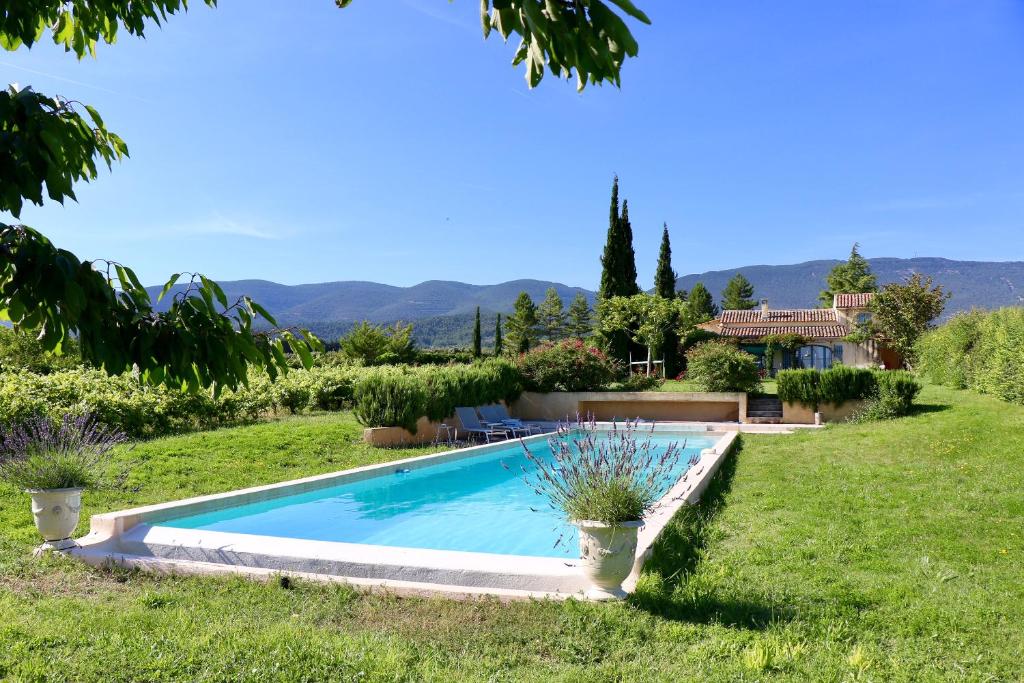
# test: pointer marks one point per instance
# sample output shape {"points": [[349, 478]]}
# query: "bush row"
{"points": [[894, 390], [399, 396], [978, 350], [377, 394]]}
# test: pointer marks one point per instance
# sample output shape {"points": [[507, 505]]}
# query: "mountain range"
{"points": [[442, 311]]}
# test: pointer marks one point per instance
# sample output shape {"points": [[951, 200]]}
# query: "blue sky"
{"points": [[297, 142]]}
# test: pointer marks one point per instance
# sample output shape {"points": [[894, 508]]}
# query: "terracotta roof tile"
{"points": [[799, 315], [854, 300], [813, 331]]}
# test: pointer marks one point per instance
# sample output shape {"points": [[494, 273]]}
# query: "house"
{"points": [[822, 333]]}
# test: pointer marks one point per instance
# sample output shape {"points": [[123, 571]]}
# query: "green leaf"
{"points": [[167, 287]]}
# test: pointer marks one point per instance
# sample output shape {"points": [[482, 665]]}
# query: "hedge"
{"points": [[896, 389], [981, 351]]}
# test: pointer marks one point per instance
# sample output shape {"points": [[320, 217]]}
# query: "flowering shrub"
{"points": [[720, 366], [569, 365], [609, 477], [38, 455]]}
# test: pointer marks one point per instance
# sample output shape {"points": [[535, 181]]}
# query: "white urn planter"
{"points": [[56, 513], [607, 554]]}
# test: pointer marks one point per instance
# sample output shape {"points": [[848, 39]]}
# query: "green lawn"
{"points": [[876, 552], [767, 387]]}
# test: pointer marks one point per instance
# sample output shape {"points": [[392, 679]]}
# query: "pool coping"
{"points": [[134, 538]]}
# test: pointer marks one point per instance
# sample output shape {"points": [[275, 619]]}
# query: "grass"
{"points": [[767, 387], [875, 552]]}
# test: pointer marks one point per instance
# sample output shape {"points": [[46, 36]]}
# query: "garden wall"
{"points": [[386, 437], [607, 405], [796, 413]]}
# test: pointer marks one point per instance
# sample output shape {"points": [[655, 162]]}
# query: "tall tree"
{"points": [[664, 276], [618, 270], [203, 339], [477, 337], [902, 312], [579, 325], [628, 255], [700, 306], [850, 277], [522, 324], [738, 294], [551, 318], [498, 342]]}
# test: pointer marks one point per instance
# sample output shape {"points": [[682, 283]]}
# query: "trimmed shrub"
{"points": [[842, 383], [390, 397], [569, 365], [720, 366], [469, 385], [894, 397], [981, 351], [889, 392], [798, 386]]}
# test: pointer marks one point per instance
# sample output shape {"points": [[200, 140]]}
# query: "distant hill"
{"points": [[974, 284], [442, 311]]}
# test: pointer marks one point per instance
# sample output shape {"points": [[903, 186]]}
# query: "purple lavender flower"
{"points": [[39, 454]]}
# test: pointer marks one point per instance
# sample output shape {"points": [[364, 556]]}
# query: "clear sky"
{"points": [[296, 142]]}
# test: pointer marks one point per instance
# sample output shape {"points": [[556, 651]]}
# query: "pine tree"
{"points": [[477, 338], [522, 324], [498, 342], [551, 318], [579, 325], [738, 294], [664, 276], [700, 306], [851, 277]]}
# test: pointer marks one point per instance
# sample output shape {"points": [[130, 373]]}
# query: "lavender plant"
{"points": [[612, 477], [38, 454]]}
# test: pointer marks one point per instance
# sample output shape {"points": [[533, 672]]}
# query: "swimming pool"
{"points": [[460, 523], [479, 504]]}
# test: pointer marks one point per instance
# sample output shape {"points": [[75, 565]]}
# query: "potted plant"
{"points": [[54, 463], [604, 483]]}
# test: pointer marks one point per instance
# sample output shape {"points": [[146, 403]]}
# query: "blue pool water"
{"points": [[470, 504]]}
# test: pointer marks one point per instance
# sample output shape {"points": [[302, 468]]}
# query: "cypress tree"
{"points": [[738, 294], [618, 269], [477, 339], [498, 345], [665, 287], [664, 276], [629, 284]]}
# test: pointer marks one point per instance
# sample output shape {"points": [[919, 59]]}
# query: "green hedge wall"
{"points": [[981, 351], [813, 388]]}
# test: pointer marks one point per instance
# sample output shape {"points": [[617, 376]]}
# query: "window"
{"points": [[814, 356], [863, 318]]}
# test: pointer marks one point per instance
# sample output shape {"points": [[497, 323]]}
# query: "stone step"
{"points": [[764, 420], [764, 413]]}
